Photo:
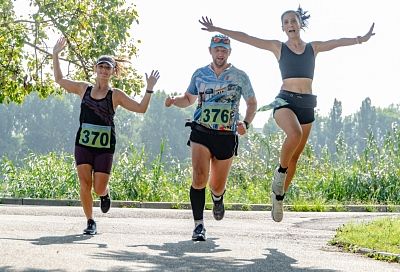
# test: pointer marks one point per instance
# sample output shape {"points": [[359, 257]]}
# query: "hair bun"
{"points": [[303, 16]]}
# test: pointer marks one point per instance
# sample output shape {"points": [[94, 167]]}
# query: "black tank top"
{"points": [[96, 130], [297, 65]]}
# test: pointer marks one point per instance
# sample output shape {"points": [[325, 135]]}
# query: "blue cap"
{"points": [[220, 40]]}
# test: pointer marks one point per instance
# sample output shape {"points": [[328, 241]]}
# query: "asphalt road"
{"points": [[45, 238]]}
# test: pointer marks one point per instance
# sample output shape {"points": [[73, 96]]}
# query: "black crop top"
{"points": [[297, 65], [96, 130]]}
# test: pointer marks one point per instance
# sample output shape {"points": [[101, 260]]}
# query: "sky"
{"points": [[172, 42]]}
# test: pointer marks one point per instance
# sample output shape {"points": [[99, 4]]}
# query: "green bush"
{"points": [[331, 179]]}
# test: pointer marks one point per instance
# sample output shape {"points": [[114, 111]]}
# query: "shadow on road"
{"points": [[183, 247], [54, 240], [11, 269], [183, 256]]}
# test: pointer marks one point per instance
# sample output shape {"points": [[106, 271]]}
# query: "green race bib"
{"points": [[95, 136], [216, 114]]}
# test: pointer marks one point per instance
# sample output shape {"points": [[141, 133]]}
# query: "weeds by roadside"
{"points": [[379, 239]]}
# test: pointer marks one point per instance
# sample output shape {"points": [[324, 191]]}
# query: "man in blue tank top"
{"points": [[218, 88]]}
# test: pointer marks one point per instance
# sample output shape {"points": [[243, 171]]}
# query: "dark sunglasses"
{"points": [[106, 67], [221, 40]]}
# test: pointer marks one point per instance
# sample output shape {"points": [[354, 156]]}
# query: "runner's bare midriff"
{"points": [[297, 85]]}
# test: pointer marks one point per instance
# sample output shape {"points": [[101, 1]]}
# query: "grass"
{"points": [[304, 205], [380, 235], [320, 184]]}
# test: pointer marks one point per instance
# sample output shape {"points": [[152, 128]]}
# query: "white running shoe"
{"points": [[277, 195], [277, 207]]}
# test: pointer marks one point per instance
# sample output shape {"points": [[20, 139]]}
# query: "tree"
{"points": [[366, 121], [334, 125], [317, 138], [167, 125], [49, 125], [10, 141], [270, 126], [92, 28], [386, 120], [38, 125]]}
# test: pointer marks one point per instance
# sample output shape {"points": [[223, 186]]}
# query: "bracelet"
{"points": [[149, 91], [358, 39], [246, 124]]}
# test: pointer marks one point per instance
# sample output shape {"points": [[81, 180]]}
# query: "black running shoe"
{"points": [[91, 227], [219, 209], [105, 203], [199, 233]]}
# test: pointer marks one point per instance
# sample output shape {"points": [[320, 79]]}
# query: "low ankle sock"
{"points": [[282, 170], [217, 198], [198, 222], [198, 201]]}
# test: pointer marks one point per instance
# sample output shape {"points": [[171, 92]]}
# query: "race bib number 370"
{"points": [[216, 113], [95, 136]]}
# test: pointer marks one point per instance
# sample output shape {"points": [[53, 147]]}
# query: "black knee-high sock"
{"points": [[198, 201]]}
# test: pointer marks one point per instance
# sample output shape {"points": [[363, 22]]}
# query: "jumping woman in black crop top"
{"points": [[95, 139], [296, 61]]}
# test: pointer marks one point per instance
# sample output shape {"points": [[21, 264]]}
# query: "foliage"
{"points": [[252, 170], [92, 27], [152, 161], [39, 126], [382, 235], [44, 176], [370, 179], [167, 125], [49, 125], [134, 179]]}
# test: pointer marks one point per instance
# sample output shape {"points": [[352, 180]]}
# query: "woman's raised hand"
{"points": [[59, 46], [370, 33], [152, 79], [208, 24]]}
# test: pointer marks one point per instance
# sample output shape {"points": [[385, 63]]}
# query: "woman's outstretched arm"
{"points": [[71, 86], [332, 44], [270, 45]]}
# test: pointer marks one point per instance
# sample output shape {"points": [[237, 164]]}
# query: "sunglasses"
{"points": [[106, 67], [221, 40]]}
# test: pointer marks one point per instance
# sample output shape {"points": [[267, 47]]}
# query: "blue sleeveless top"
{"points": [[297, 65], [219, 97]]}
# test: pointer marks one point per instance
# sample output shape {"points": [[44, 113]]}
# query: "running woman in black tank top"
{"points": [[296, 62], [96, 139]]}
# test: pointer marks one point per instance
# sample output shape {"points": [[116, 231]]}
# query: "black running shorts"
{"points": [[301, 104], [100, 161], [222, 147]]}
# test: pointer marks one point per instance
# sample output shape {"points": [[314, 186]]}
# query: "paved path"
{"points": [[43, 238]]}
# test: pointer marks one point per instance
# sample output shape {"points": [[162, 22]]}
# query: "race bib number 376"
{"points": [[215, 113], [95, 136]]}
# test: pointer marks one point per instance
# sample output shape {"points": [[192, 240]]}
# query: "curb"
{"points": [[374, 253], [371, 253], [185, 205]]}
